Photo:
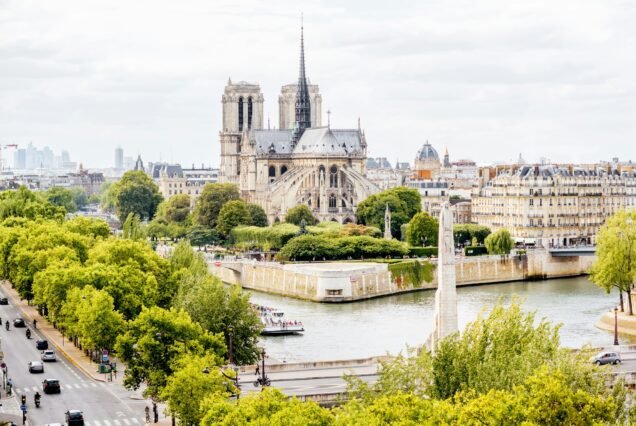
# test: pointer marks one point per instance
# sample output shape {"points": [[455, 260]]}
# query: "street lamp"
{"points": [[615, 326], [230, 333], [235, 379]]}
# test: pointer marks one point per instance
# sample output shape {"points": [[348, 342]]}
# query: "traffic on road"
{"points": [[33, 371]]}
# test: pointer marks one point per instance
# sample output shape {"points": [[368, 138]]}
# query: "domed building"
{"points": [[427, 163]]}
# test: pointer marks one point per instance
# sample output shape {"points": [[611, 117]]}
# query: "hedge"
{"points": [[475, 250], [423, 251], [322, 247]]}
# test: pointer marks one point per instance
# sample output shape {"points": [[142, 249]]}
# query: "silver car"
{"points": [[48, 355], [36, 367], [607, 358]]}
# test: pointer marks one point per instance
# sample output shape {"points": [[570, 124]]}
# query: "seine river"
{"points": [[388, 324]]}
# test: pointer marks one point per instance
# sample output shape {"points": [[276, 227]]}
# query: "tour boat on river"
{"points": [[275, 323]]}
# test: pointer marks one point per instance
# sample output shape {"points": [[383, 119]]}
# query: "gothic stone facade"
{"points": [[300, 163]]}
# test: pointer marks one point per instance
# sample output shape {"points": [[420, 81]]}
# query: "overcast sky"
{"points": [[488, 79]]}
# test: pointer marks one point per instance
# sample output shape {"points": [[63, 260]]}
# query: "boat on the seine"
{"points": [[275, 323]]}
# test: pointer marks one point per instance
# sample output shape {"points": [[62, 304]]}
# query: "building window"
{"points": [[240, 113], [272, 171], [249, 113], [333, 177], [332, 201], [283, 169], [531, 202]]}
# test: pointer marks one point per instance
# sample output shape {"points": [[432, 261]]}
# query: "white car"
{"points": [[48, 355]]}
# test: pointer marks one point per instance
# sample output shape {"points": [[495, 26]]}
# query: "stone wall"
{"points": [[345, 282]]}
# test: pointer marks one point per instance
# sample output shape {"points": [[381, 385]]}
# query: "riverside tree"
{"points": [[499, 242], [210, 202], [403, 202], [422, 230], [615, 265], [136, 193], [299, 213], [155, 341], [232, 214]]}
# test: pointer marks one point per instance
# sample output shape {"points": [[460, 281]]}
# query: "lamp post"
{"points": [[615, 326], [230, 333]]}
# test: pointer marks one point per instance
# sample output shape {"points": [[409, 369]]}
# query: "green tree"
{"points": [[98, 322], [299, 213], [211, 200], [108, 196], [132, 229], [232, 214], [94, 228], [155, 341], [615, 265], [257, 214], [177, 208], [136, 193], [25, 203], [422, 230], [79, 197], [195, 378], [61, 197], [403, 202], [219, 309], [499, 242], [201, 236]]}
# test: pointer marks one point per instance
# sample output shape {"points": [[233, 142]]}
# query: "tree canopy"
{"points": [[136, 193], [499, 242], [257, 215], [177, 208], [299, 213], [615, 265], [211, 200], [403, 202], [422, 230], [232, 214]]}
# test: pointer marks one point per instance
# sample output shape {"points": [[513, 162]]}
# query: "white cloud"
{"points": [[486, 79]]}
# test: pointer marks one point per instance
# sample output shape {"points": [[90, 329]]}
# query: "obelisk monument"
{"points": [[446, 294], [387, 223]]}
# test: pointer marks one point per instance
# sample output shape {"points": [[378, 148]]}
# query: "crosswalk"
{"points": [[72, 386], [132, 421]]}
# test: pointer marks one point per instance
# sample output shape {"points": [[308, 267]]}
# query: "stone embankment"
{"points": [[347, 282], [626, 322]]}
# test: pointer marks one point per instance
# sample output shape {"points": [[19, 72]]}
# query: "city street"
{"points": [[103, 403]]}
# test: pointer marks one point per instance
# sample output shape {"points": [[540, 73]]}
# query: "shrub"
{"points": [[423, 251], [411, 273], [475, 250], [318, 247]]}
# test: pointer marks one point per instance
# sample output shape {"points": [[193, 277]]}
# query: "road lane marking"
{"points": [[127, 421], [107, 423], [94, 385], [97, 423], [135, 420], [117, 422], [78, 386], [35, 388]]}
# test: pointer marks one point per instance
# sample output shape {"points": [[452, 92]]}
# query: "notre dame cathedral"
{"points": [[301, 161]]}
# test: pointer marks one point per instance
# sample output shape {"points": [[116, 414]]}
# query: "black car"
{"points": [[4, 301], [42, 344], [18, 323], [51, 386], [74, 418]]}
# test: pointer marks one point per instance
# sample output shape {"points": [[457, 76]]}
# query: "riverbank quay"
{"points": [[337, 282], [626, 323]]}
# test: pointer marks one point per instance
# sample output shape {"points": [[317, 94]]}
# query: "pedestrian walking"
{"points": [[257, 370], [35, 323], [147, 410]]}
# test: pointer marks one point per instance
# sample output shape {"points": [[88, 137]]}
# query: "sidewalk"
{"points": [[315, 373], [46, 330]]}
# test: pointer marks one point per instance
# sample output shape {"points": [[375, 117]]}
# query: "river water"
{"points": [[388, 324]]}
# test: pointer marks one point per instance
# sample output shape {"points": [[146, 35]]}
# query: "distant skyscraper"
{"points": [[19, 159], [119, 158]]}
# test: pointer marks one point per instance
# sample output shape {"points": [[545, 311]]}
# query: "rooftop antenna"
{"points": [[268, 127]]}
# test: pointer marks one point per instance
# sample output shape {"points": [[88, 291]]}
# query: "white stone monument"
{"points": [[446, 294], [387, 223]]}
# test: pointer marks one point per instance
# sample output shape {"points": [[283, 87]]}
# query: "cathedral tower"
{"points": [[303, 105], [242, 110]]}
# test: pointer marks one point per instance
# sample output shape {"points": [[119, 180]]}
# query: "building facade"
{"points": [[551, 205], [174, 180], [299, 163]]}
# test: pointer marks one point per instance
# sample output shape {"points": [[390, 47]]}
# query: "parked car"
{"points": [[19, 322], [36, 367], [42, 344], [51, 386], [48, 355], [607, 358], [74, 418], [4, 301]]}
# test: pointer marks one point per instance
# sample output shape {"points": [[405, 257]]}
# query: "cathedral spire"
{"points": [[303, 106]]}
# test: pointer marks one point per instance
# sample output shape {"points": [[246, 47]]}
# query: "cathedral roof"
{"points": [[427, 152], [321, 141]]}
